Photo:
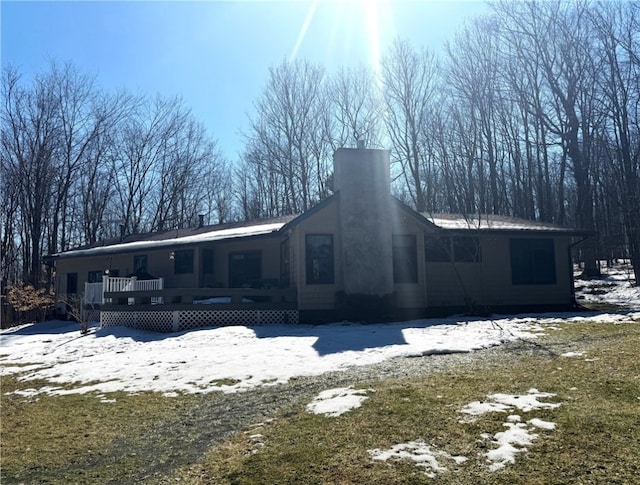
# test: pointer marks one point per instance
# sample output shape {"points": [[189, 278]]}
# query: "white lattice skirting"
{"points": [[175, 321]]}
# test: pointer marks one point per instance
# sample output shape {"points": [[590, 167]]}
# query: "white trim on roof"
{"points": [[196, 238]]}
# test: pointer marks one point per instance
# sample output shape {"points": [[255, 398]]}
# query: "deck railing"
{"points": [[94, 292]]}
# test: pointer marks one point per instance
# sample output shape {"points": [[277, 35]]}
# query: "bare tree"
{"points": [[409, 87], [618, 30], [287, 136], [356, 108], [556, 37], [30, 133]]}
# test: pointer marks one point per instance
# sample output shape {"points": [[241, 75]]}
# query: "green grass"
{"points": [[71, 439], [597, 439]]}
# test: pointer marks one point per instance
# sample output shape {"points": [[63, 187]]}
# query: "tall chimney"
{"points": [[200, 220], [122, 229], [362, 178]]}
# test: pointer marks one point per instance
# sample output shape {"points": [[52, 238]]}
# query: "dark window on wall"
{"points": [[285, 265], [245, 269], [183, 261], [72, 283], [437, 249], [319, 259], [94, 277], [533, 262], [140, 263], [405, 258], [466, 249]]}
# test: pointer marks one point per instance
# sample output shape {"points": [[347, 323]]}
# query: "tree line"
{"points": [[531, 111]]}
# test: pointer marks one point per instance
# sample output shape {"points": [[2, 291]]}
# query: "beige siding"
{"points": [[322, 297], [489, 283], [316, 297], [160, 264], [411, 295]]}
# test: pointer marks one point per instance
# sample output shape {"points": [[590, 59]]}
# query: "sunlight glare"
{"points": [[347, 31], [372, 10], [303, 29]]}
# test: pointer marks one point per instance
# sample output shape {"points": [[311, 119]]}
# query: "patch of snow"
{"points": [[509, 442], [420, 453], [477, 408], [572, 354], [518, 435], [207, 359], [539, 423], [525, 402], [334, 402], [500, 403], [616, 286]]}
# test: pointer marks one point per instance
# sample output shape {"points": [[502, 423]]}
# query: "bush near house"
{"points": [[24, 304]]}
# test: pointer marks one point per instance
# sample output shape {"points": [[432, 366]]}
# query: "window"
{"points": [[140, 263], [405, 259], [284, 264], [437, 249], [245, 269], [466, 249], [319, 259], [532, 262], [94, 277], [72, 283], [183, 261]]}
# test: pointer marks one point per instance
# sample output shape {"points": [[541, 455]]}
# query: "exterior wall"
{"points": [[488, 283], [410, 295], [160, 264], [316, 296]]}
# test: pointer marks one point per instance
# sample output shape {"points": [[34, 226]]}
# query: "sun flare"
{"points": [[350, 31]]}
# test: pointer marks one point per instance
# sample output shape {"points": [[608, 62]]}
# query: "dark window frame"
{"points": [[466, 249], [183, 261], [71, 289], [533, 261], [94, 276], [140, 267], [319, 266], [437, 249], [249, 275]]}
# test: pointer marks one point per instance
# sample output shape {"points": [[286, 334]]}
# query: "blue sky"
{"points": [[216, 54]]}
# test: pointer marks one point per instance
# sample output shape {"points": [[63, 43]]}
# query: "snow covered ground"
{"points": [[237, 358], [616, 287]]}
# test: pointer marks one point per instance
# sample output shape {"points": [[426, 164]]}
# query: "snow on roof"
{"points": [[492, 222], [213, 235]]}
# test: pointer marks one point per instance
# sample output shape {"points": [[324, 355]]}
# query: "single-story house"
{"points": [[361, 255]]}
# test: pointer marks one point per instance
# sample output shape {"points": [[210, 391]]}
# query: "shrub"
{"points": [[28, 303]]}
